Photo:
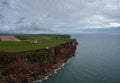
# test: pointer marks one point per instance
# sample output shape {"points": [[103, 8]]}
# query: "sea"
{"points": [[97, 60]]}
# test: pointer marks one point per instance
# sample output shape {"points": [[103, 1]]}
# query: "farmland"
{"points": [[44, 41], [41, 37], [9, 38]]}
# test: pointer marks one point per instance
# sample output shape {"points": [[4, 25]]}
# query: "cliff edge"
{"points": [[28, 66]]}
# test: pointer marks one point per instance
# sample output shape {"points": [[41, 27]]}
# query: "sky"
{"points": [[58, 16]]}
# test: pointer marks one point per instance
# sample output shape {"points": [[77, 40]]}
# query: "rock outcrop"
{"points": [[25, 67]]}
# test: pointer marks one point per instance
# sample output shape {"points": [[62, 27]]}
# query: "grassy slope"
{"points": [[46, 41]]}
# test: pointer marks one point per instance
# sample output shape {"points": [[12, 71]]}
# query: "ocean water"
{"points": [[97, 60]]}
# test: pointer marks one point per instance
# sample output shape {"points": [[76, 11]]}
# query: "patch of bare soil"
{"points": [[9, 38]]}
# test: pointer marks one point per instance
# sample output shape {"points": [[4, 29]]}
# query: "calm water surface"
{"points": [[97, 60]]}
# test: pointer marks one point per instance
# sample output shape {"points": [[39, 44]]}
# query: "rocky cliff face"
{"points": [[25, 67]]}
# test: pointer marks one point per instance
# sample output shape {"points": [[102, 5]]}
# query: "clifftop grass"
{"points": [[43, 42]]}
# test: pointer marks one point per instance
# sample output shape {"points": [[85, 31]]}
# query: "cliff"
{"points": [[25, 67]]}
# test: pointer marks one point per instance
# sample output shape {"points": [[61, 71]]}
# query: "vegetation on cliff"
{"points": [[43, 41]]}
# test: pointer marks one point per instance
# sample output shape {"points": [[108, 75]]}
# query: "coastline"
{"points": [[27, 67], [54, 71]]}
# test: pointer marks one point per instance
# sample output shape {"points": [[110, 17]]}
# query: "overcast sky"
{"points": [[58, 16]]}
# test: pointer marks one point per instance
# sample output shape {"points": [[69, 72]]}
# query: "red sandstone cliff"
{"points": [[25, 67]]}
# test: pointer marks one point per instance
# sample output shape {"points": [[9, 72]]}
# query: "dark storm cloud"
{"points": [[58, 15]]}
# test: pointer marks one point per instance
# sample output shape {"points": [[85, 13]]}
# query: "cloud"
{"points": [[58, 16], [33, 27]]}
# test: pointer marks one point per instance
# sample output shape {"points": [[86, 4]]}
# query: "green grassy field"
{"points": [[43, 42], [40, 37]]}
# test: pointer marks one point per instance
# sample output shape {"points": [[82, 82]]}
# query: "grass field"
{"points": [[40, 37], [43, 42]]}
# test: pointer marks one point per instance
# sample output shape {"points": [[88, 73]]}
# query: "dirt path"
{"points": [[9, 38]]}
